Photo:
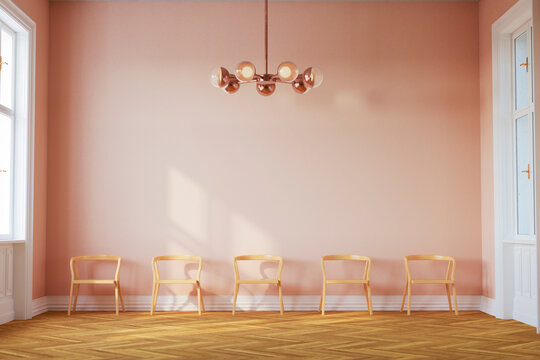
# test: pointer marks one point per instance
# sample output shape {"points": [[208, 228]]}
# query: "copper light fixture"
{"points": [[287, 73]]}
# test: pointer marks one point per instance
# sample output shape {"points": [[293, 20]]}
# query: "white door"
{"points": [[521, 249]]}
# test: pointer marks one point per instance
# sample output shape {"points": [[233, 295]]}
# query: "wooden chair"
{"points": [[365, 279], [276, 281], [158, 280], [447, 281], [75, 280]]}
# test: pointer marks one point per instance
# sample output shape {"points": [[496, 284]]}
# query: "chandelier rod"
{"points": [[266, 33]]}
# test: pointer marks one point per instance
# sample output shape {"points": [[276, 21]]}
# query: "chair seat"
{"points": [[432, 282], [353, 281], [88, 281], [258, 281], [181, 281]]}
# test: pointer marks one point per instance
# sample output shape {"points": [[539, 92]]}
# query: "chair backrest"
{"points": [[450, 270], [279, 259], [190, 258], [367, 268], [75, 269]]}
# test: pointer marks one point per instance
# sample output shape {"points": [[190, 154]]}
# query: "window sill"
{"points": [[7, 241]]}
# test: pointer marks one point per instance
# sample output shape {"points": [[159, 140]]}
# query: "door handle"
{"points": [[526, 64], [528, 171], [2, 63]]}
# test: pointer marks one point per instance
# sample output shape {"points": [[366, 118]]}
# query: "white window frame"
{"points": [[516, 114], [11, 114], [23, 171]]}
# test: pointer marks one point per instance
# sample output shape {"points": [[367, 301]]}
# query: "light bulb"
{"points": [[287, 71], [219, 77], [313, 77], [245, 71]]}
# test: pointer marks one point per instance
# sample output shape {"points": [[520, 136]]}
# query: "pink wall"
{"points": [[38, 10], [146, 158], [488, 12]]}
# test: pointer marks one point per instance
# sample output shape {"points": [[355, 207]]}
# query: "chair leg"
{"points": [[280, 299], [370, 306], [116, 297], [202, 302], [70, 298], [121, 297], [366, 295], [404, 294], [323, 298], [76, 297], [448, 295], [235, 296], [409, 299], [156, 297], [199, 298], [153, 297], [455, 297], [320, 302]]}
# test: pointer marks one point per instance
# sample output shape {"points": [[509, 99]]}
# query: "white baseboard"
{"points": [[525, 310], [488, 306], [7, 312], [257, 303], [40, 305], [7, 317]]}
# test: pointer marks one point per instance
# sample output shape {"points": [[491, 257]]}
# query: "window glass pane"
{"points": [[521, 78], [531, 67], [533, 162], [5, 173], [6, 75], [524, 188]]}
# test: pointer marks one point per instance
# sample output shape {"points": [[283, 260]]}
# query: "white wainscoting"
{"points": [[525, 294], [257, 303], [7, 312]]}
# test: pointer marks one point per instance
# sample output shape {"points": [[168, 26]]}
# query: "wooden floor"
{"points": [[258, 335]]}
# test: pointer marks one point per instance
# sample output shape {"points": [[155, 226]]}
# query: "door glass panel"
{"points": [[524, 176], [5, 173], [521, 78], [6, 75]]}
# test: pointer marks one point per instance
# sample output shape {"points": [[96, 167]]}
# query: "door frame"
{"points": [[503, 151]]}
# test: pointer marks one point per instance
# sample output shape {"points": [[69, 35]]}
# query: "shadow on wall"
{"points": [[199, 224]]}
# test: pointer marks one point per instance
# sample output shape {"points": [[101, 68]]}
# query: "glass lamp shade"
{"points": [[287, 71], [219, 77], [313, 77], [245, 71]]}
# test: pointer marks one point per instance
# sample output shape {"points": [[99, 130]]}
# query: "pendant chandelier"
{"points": [[287, 73]]}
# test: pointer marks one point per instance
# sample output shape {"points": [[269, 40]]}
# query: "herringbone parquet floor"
{"points": [[259, 335]]}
